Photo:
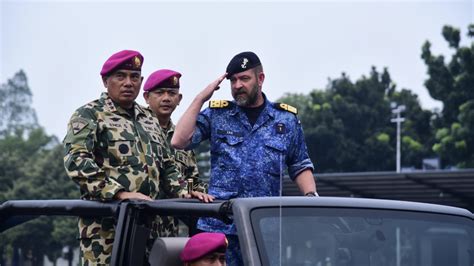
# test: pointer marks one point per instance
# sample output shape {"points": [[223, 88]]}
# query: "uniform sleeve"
{"points": [[80, 162], [171, 181], [298, 159], [198, 184], [203, 129]]}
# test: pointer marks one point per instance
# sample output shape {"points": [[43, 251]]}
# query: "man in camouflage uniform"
{"points": [[115, 150], [252, 142], [161, 92]]}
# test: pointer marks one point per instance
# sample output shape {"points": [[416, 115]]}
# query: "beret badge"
{"points": [[244, 63], [137, 62]]}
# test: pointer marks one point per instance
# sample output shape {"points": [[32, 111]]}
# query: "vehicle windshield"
{"points": [[339, 237]]}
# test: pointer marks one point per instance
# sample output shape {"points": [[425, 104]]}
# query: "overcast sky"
{"points": [[61, 45]]}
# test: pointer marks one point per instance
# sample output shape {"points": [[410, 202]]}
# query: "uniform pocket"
{"points": [[227, 149], [122, 151], [274, 157], [158, 154], [181, 157], [224, 183]]}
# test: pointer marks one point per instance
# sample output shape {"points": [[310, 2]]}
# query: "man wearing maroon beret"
{"points": [[205, 249], [161, 92], [115, 150]]}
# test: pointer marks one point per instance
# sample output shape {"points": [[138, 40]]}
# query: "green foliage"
{"points": [[451, 35], [347, 125], [383, 137], [35, 171], [16, 112], [348, 129], [453, 83], [32, 168]]}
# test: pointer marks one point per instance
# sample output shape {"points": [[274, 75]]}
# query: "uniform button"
{"points": [[123, 148]]}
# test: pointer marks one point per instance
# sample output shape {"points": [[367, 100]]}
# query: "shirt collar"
{"points": [[111, 106]]}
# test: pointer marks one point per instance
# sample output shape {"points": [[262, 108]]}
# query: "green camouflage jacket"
{"points": [[185, 162], [107, 150]]}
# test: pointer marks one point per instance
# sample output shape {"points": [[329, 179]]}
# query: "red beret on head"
{"points": [[163, 78], [202, 244], [126, 59]]}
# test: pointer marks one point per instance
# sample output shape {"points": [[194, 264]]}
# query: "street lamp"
{"points": [[396, 110]]}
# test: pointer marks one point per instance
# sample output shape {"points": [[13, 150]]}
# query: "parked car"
{"points": [[292, 231]]}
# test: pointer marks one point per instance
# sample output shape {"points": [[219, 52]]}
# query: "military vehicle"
{"points": [[290, 231]]}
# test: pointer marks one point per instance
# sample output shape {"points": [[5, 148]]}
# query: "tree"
{"points": [[38, 174], [31, 168], [16, 112], [452, 84], [347, 126]]}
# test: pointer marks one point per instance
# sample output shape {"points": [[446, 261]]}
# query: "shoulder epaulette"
{"points": [[286, 107], [219, 104]]}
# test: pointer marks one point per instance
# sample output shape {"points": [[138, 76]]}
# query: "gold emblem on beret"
{"points": [[175, 80], [137, 61]]}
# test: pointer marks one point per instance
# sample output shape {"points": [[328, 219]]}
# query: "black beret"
{"points": [[242, 62]]}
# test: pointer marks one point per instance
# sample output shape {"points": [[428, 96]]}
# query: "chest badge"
{"points": [[280, 128]]}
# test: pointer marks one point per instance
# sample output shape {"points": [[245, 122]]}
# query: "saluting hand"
{"points": [[206, 94]]}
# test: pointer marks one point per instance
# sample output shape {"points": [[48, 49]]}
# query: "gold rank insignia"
{"points": [[286, 107], [175, 80], [219, 104], [110, 105], [137, 61]]}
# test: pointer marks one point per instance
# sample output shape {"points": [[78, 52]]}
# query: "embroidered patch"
{"points": [[78, 125], [280, 128]]}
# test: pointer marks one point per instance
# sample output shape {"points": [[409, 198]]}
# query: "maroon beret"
{"points": [[202, 244], [163, 78], [126, 59]]}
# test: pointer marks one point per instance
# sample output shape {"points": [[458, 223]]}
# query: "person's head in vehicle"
{"points": [[205, 249]]}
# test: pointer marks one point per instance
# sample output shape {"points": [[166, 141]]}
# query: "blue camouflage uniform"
{"points": [[248, 161]]}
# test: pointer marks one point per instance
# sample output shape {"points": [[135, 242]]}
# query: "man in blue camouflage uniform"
{"points": [[252, 142], [161, 92], [115, 150]]}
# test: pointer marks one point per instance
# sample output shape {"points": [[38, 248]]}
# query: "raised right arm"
{"points": [[187, 123]]}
